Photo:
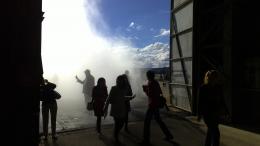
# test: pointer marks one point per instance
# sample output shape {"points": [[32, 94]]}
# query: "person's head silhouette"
{"points": [[87, 72], [127, 72], [120, 81], [150, 75], [101, 82]]}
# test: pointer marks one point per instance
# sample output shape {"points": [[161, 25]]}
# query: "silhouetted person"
{"points": [[153, 91], [99, 96], [117, 99], [211, 106], [88, 84], [129, 93], [49, 104]]}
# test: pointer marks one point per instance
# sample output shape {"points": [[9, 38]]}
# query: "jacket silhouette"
{"points": [[211, 106], [99, 96], [49, 105]]}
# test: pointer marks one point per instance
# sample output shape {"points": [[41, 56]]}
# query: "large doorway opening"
{"points": [[76, 36]]}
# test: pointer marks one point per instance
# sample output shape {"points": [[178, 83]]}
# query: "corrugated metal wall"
{"points": [[181, 53]]}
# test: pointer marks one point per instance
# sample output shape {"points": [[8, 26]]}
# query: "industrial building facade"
{"points": [[201, 38]]}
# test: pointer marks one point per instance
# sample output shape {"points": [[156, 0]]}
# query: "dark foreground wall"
{"points": [[21, 57], [246, 63]]}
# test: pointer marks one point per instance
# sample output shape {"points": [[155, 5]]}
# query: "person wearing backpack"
{"points": [[154, 92], [49, 104]]}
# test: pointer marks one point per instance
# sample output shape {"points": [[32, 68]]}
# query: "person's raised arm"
{"points": [[78, 80]]}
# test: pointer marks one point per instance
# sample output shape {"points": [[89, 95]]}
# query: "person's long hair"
{"points": [[150, 75], [211, 77], [120, 81], [101, 82]]}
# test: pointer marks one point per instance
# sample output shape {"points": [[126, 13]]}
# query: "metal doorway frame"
{"points": [[175, 34]]}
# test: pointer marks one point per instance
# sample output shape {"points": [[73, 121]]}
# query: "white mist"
{"points": [[72, 43]]}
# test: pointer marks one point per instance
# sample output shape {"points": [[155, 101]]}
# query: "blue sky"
{"points": [[141, 21], [91, 31], [105, 36]]}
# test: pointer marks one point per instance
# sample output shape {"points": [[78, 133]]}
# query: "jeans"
{"points": [[147, 122], [46, 108], [98, 124], [119, 123], [213, 134], [126, 121]]}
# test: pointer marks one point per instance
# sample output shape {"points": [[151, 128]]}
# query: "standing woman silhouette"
{"points": [[99, 96], [211, 105]]}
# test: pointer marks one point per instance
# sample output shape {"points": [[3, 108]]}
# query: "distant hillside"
{"points": [[163, 70]]}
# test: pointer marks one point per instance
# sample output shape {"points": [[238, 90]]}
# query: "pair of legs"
{"points": [[52, 108], [87, 99], [98, 124], [126, 122], [213, 134], [119, 123], [150, 113], [128, 109]]}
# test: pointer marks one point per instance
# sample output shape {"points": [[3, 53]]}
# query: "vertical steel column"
{"points": [[170, 63], [195, 59]]}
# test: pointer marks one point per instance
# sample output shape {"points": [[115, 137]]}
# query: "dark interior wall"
{"points": [[246, 63], [226, 38], [23, 70], [208, 40]]}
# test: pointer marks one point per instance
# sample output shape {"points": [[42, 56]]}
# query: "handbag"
{"points": [[90, 106], [162, 101], [56, 94]]}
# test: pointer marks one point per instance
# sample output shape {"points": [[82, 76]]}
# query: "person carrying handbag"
{"points": [[99, 96], [49, 105], [154, 92]]}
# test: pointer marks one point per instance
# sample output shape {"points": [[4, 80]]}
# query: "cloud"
{"points": [[153, 55], [163, 32], [137, 38], [139, 27], [152, 29], [131, 24], [128, 29], [134, 26], [72, 42]]}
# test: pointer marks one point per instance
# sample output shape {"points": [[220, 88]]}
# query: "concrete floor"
{"points": [[76, 128], [186, 130]]}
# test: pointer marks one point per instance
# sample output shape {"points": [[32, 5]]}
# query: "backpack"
{"points": [[47, 95]]}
